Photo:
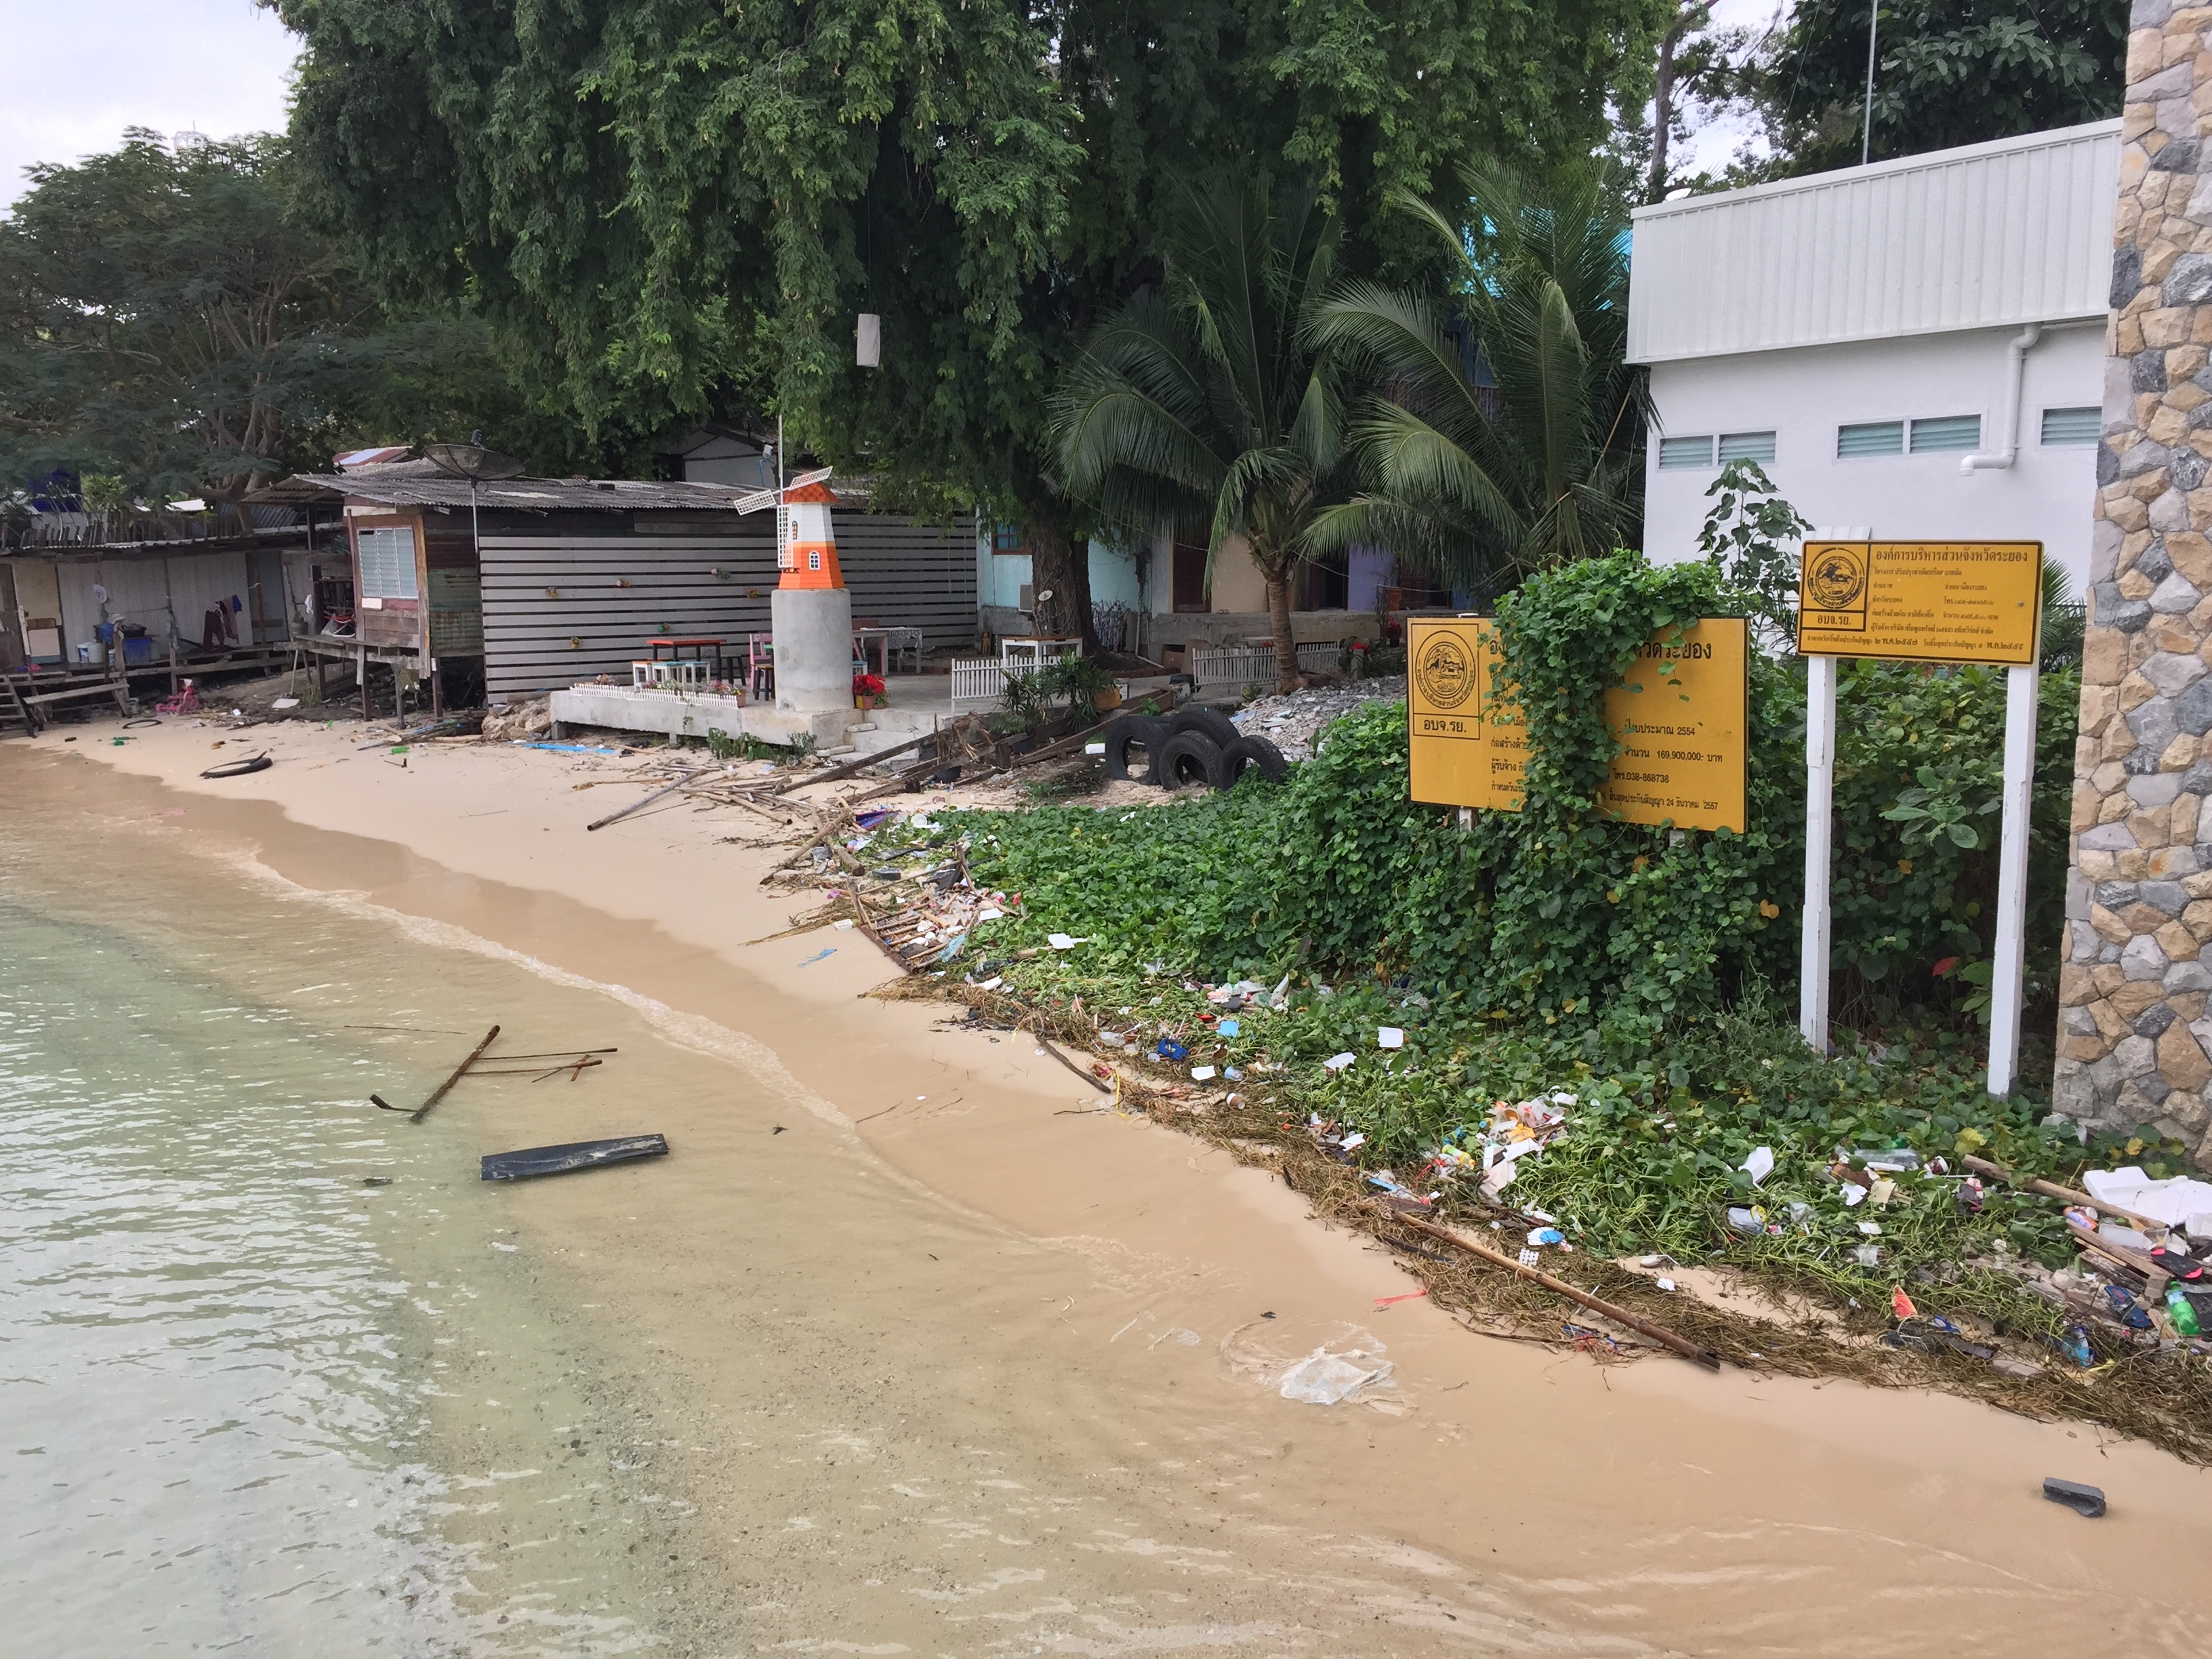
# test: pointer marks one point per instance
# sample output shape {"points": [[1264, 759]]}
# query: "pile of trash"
{"points": [[1292, 723]]}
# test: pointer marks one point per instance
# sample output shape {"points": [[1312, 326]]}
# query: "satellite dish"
{"points": [[472, 461]]}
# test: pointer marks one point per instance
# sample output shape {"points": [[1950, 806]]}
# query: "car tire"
{"points": [[1188, 758], [1138, 732], [1198, 717], [1248, 754]]}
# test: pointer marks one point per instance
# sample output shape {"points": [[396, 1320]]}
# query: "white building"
{"points": [[1912, 351]]}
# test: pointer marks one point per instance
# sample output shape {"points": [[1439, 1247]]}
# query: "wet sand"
{"points": [[955, 1332]]}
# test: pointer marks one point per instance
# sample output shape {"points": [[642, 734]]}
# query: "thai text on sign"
{"points": [[1921, 601], [1681, 715], [1466, 743]]}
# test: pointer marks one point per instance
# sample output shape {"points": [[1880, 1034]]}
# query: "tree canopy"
{"points": [[1204, 402], [1506, 433], [165, 322], [678, 207]]}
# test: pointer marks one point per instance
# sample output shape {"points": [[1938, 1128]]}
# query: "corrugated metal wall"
{"points": [[560, 609], [2013, 232]]}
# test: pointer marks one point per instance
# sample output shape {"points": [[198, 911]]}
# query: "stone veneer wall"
{"points": [[2134, 1032]]}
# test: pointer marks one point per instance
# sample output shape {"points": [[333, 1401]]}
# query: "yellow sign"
{"points": [[1467, 747], [1682, 712], [1921, 601], [1682, 716]]}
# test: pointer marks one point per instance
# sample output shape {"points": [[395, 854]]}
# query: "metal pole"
{"points": [[1866, 132], [1820, 833], [2008, 965]]}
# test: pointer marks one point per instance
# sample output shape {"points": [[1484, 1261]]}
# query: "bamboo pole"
{"points": [[475, 1054], [1658, 1333], [671, 789], [2067, 1194]]}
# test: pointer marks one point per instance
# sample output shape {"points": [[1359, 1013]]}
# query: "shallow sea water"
{"points": [[262, 1367]]}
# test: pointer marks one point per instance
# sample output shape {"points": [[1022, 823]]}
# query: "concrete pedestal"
{"points": [[813, 649]]}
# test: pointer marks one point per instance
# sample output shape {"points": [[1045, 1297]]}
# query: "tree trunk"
{"points": [[1059, 566], [1279, 623]]}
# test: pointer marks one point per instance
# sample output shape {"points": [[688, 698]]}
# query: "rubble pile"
{"points": [[1292, 722]]}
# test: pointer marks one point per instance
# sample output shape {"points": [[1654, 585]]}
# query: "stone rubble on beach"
{"points": [[1291, 723]]}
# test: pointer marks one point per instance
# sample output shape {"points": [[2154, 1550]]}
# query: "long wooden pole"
{"points": [[2067, 1195], [1658, 1333], [612, 816], [476, 1054]]}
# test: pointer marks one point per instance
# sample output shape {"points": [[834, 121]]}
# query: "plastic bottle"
{"points": [[2182, 1314]]}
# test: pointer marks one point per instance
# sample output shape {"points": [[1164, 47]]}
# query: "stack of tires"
{"points": [[1194, 745]]}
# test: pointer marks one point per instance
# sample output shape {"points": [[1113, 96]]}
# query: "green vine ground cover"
{"points": [[1649, 972]]}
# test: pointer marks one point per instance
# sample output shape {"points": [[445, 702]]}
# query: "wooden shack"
{"points": [[540, 583]]}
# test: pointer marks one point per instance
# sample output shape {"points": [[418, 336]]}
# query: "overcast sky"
{"points": [[79, 72]]}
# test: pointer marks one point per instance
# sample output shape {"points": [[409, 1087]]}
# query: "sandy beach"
{"points": [[1113, 1302]]}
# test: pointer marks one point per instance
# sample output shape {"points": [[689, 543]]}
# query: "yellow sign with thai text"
{"points": [[1682, 717], [1465, 745], [1921, 601]]}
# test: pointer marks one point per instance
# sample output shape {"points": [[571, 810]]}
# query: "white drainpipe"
{"points": [[2015, 371]]}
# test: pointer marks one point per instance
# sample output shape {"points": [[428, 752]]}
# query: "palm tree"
{"points": [[1203, 402], [1482, 483]]}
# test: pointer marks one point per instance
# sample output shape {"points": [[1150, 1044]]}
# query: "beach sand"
{"points": [[1108, 1304]]}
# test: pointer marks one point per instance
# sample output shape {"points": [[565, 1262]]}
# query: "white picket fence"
{"points": [[1242, 665], [977, 682]]}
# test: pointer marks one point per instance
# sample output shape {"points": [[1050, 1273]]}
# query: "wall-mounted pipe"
{"points": [[2015, 373]]}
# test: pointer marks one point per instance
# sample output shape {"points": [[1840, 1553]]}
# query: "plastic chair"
{"points": [[760, 665]]}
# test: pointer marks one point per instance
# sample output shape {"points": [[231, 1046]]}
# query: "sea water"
{"points": [[208, 1431], [261, 1348]]}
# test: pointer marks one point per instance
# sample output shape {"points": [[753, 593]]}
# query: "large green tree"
{"points": [[1946, 72], [676, 207], [166, 323]]}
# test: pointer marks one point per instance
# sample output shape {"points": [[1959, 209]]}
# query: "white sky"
{"points": [[79, 72], [1714, 146]]}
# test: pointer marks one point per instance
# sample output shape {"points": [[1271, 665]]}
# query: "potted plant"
{"points": [[867, 690]]}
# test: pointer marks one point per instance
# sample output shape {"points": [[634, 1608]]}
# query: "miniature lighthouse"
{"points": [[812, 612]]}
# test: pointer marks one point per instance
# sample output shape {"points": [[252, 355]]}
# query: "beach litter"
{"points": [[534, 1161], [2083, 1500], [1322, 1378]]}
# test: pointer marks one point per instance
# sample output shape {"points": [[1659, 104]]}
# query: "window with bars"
{"points": [[1747, 447], [1677, 452], [2072, 427], [1947, 432], [388, 563], [1008, 538]]}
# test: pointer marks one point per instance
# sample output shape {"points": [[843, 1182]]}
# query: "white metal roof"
{"points": [[2016, 231]]}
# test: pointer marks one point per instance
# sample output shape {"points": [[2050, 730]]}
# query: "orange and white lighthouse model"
{"points": [[810, 609]]}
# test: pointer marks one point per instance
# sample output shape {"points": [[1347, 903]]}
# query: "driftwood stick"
{"points": [[838, 773], [669, 790], [1047, 1044], [475, 1054], [1658, 1333]]}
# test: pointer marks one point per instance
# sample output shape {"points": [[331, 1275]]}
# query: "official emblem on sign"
{"points": [[1836, 578], [1444, 669]]}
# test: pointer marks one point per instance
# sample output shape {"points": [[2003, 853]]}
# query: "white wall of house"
{"points": [[1813, 408], [1849, 331]]}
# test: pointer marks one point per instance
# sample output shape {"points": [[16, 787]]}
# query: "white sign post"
{"points": [[1938, 601], [2008, 961], [1820, 834]]}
